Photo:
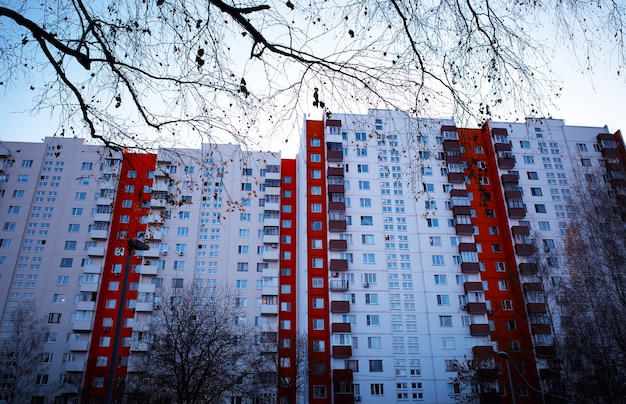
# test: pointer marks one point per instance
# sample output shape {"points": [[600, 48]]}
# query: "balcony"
{"points": [[532, 287], [502, 147], [335, 171], [104, 201], [528, 268], [483, 352], [506, 163], [451, 144], [467, 247], [337, 264], [75, 366], [271, 222], [269, 309], [479, 330], [337, 245], [158, 203], [610, 153], [336, 189], [536, 308], [272, 206], [270, 175], [517, 213], [453, 157], [460, 193], [151, 253], [85, 306], [456, 178], [464, 229], [102, 217], [476, 308], [89, 287], [92, 269], [95, 251], [270, 290], [271, 255], [473, 287], [144, 306], [342, 351], [545, 351], [461, 210], [146, 288], [344, 328], [271, 239], [470, 267], [540, 329], [99, 234], [337, 225], [525, 250], [342, 374], [139, 346], [82, 326], [339, 285], [340, 306], [509, 179], [337, 206], [79, 346], [334, 155]]}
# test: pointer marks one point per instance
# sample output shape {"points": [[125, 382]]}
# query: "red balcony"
{"points": [[528, 268], [336, 188], [479, 330], [540, 329], [545, 351], [502, 147], [334, 155], [510, 179], [342, 374], [456, 178], [335, 172], [520, 231], [506, 163], [337, 264], [473, 287], [461, 193], [610, 153], [337, 245], [513, 195], [536, 307], [618, 183], [343, 398], [470, 267], [341, 327], [482, 352], [484, 374], [461, 210], [525, 250], [337, 206], [453, 158], [499, 132], [342, 351], [476, 308], [450, 144], [532, 286], [467, 247], [340, 306], [337, 225], [464, 229], [517, 213], [614, 167]]}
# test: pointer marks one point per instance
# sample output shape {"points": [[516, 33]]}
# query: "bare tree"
{"points": [[21, 355], [177, 67], [476, 381], [197, 349], [592, 300]]}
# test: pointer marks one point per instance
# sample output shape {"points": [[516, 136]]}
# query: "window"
{"points": [[535, 191], [507, 305], [441, 280], [66, 262], [316, 174], [373, 319], [241, 284], [437, 260], [448, 343], [443, 300], [54, 318], [14, 210], [316, 207], [364, 185], [532, 175], [376, 389], [318, 303], [374, 342], [371, 298], [369, 258], [367, 221], [540, 208], [503, 285], [511, 325], [585, 162], [376, 365], [319, 391], [318, 323], [432, 222], [450, 365], [445, 321]]}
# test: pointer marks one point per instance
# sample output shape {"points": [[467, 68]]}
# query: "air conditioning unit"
{"points": [[357, 398], [366, 285], [335, 274], [181, 253], [147, 262], [464, 307], [163, 252], [274, 245], [117, 273], [490, 311]]}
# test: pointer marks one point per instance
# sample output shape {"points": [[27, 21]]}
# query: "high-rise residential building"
{"points": [[392, 253]]}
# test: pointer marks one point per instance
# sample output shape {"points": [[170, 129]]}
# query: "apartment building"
{"points": [[399, 249]]}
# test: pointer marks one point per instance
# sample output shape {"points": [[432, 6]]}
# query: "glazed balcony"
{"points": [[461, 210], [451, 144], [525, 250], [464, 229], [540, 329], [336, 188], [506, 162], [476, 308], [528, 268], [79, 346], [338, 245], [339, 285], [517, 213], [339, 306], [342, 374], [337, 206], [479, 330], [453, 157], [342, 351]]}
